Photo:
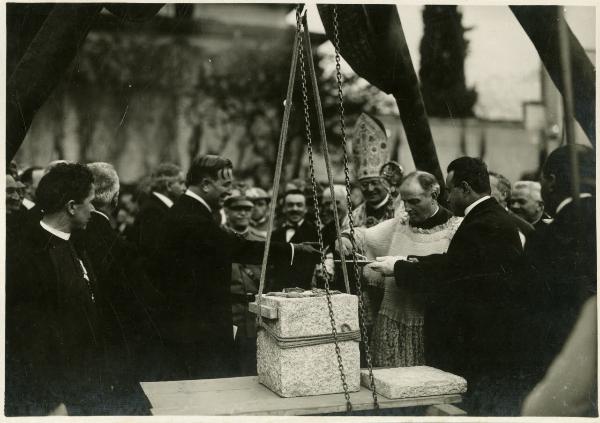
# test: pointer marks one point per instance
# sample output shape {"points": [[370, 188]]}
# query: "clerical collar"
{"points": [[437, 209], [101, 214], [60, 234], [475, 203], [197, 197], [168, 202], [383, 203], [568, 200]]}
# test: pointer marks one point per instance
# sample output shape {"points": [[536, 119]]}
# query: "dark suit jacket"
{"points": [[146, 230], [560, 261], [129, 297], [470, 292], [299, 275], [196, 256], [524, 226], [54, 340]]}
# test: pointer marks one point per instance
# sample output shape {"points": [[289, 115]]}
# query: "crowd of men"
{"points": [[94, 307]]}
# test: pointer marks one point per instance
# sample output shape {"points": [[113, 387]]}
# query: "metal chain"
{"points": [[357, 273], [316, 205]]}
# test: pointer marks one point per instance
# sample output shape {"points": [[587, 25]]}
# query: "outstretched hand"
{"points": [[346, 246], [385, 265], [309, 251]]}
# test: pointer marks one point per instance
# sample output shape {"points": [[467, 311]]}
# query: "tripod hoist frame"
{"points": [[245, 395], [303, 51]]}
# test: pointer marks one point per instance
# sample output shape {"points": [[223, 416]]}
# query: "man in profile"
{"points": [[55, 361], [475, 277], [561, 256], [195, 261]]}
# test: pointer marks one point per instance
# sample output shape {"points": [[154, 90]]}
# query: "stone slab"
{"points": [[411, 382], [310, 315], [312, 369]]}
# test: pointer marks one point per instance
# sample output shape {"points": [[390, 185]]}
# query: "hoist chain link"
{"points": [[357, 273], [316, 206]]}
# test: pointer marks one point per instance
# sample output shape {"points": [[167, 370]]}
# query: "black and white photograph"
{"points": [[369, 209]]}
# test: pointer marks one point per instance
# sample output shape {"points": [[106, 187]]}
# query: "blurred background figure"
{"points": [[356, 195], [167, 184], [245, 279], [31, 178], [501, 190], [392, 174], [13, 195], [526, 201], [15, 211], [259, 220]]}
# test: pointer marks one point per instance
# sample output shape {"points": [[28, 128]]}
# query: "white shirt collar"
{"points": [[568, 200], [385, 200], [168, 202], [474, 204], [101, 214], [62, 235], [28, 203], [197, 197]]}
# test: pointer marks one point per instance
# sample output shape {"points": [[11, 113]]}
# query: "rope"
{"points": [[309, 340], [278, 168]]}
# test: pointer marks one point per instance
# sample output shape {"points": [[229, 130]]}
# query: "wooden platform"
{"points": [[245, 396]]}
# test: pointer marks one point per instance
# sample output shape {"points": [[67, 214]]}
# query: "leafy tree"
{"points": [[443, 51]]}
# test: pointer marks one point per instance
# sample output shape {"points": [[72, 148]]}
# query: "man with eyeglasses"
{"points": [[371, 151]]}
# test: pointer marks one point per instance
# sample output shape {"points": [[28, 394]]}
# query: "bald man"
{"points": [[526, 201]]}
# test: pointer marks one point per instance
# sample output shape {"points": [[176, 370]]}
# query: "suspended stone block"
{"points": [[417, 381], [288, 366]]}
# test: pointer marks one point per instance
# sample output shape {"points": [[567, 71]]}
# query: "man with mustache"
{"points": [[295, 229], [195, 273]]}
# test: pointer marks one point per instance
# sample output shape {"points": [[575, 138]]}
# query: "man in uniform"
{"points": [[259, 221], [245, 279]]}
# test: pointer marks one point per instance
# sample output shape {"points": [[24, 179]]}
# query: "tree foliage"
{"points": [[233, 96], [443, 51]]}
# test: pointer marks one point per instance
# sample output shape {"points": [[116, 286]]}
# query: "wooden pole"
{"points": [[565, 62]]}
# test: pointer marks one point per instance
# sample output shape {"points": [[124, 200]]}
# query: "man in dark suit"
{"points": [[55, 361], [561, 258], [167, 185], [472, 289], [196, 256], [296, 229], [127, 296]]}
